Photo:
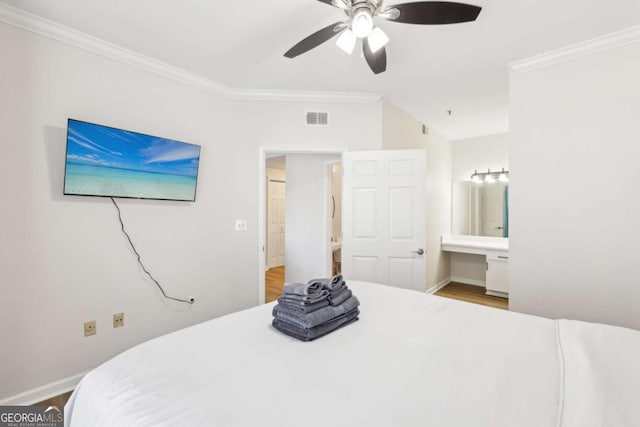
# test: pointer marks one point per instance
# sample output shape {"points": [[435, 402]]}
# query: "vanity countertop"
{"points": [[474, 244]]}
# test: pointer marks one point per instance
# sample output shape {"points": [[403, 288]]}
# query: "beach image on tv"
{"points": [[103, 161]]}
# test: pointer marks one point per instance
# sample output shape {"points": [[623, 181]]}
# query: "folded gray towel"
{"points": [[305, 299], [338, 292], [340, 297], [302, 288], [302, 308], [337, 318], [334, 283], [310, 334], [309, 320]]}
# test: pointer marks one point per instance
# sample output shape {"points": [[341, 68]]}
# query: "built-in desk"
{"points": [[496, 252]]}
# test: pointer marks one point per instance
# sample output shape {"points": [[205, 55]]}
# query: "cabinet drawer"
{"points": [[504, 257]]}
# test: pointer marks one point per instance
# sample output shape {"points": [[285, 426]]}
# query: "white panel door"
{"points": [[275, 224], [384, 221]]}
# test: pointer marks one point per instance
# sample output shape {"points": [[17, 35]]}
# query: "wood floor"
{"points": [[474, 294], [59, 401], [274, 282]]}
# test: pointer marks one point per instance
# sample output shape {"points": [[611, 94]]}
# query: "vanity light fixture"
{"points": [[489, 177], [504, 176]]}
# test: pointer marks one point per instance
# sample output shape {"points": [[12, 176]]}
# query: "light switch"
{"points": [[241, 225]]}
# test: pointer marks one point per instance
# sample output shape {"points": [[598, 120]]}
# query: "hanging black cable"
{"points": [[135, 251]]}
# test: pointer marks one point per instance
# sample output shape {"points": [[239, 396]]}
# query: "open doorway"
{"points": [[299, 218], [383, 217], [336, 217], [275, 168]]}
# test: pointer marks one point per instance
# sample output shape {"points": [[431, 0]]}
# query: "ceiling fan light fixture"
{"points": [[377, 39], [362, 23], [360, 16], [347, 41]]}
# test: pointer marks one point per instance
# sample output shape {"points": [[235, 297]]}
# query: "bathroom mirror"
{"points": [[480, 209]]}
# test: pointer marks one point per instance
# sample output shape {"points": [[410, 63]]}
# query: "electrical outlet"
{"points": [[89, 328], [241, 225], [118, 320]]}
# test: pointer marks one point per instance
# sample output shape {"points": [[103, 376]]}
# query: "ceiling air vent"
{"points": [[317, 118]]}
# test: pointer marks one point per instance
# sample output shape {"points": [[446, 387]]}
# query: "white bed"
{"points": [[411, 360]]}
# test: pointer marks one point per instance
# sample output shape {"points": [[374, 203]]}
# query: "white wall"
{"points": [[63, 259], [307, 230], [468, 155], [401, 131], [468, 268], [438, 206], [482, 153], [574, 200]]}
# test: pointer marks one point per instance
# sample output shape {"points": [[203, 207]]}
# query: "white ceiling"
{"points": [[430, 70]]}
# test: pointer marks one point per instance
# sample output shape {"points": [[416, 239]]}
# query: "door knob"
{"points": [[419, 252]]}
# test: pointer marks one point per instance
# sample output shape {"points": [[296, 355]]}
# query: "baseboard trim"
{"points": [[466, 281], [498, 294], [44, 392], [435, 288]]}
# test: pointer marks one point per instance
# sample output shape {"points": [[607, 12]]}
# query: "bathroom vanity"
{"points": [[496, 253]]}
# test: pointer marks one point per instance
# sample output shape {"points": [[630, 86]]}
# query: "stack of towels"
{"points": [[309, 311]]}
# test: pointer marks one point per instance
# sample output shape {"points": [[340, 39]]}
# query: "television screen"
{"points": [[109, 162]]}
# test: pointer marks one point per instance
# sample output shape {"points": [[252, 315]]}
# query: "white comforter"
{"points": [[411, 360]]}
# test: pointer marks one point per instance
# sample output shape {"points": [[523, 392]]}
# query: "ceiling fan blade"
{"points": [[342, 4], [431, 13], [377, 61], [316, 39]]}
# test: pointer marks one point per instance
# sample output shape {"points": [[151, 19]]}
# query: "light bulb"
{"points": [[489, 179], [362, 23], [503, 177], [347, 41], [377, 40], [476, 179]]}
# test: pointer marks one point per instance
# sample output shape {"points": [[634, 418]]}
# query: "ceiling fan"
{"points": [[360, 25]]}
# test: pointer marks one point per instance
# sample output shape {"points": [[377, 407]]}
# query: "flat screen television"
{"points": [[108, 162]]}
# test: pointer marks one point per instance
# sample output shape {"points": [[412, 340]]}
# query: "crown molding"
{"points": [[64, 34], [56, 31], [300, 96], [578, 50]]}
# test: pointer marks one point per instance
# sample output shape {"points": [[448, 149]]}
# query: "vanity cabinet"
{"points": [[497, 280], [496, 253]]}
